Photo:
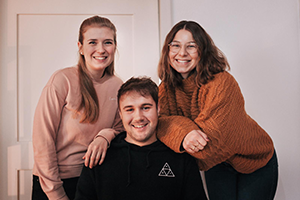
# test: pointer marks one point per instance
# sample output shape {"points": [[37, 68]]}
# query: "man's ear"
{"points": [[120, 113], [158, 109]]}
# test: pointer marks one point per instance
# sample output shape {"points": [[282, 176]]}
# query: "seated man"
{"points": [[137, 164]]}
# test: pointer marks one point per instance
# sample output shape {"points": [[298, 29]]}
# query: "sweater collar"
{"points": [[189, 84], [100, 80]]}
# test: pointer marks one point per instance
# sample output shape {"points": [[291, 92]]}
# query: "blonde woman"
{"points": [[76, 117]]}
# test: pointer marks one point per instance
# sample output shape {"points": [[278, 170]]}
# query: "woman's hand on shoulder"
{"points": [[195, 141], [96, 152]]}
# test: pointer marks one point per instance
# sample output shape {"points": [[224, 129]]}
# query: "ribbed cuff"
{"points": [[108, 134]]}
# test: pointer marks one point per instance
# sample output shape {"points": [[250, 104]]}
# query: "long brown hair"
{"points": [[89, 102], [212, 60]]}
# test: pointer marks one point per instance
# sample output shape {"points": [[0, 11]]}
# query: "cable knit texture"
{"points": [[217, 108]]}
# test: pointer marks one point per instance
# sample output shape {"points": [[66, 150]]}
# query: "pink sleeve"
{"points": [[110, 133], [45, 127]]}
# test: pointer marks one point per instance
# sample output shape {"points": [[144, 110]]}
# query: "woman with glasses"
{"points": [[76, 117], [202, 113]]}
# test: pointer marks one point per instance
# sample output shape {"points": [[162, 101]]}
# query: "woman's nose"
{"points": [[182, 50], [100, 48]]}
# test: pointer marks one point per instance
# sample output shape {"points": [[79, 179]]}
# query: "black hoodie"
{"points": [[152, 172]]}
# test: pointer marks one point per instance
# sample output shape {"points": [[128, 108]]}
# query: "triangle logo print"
{"points": [[166, 171]]}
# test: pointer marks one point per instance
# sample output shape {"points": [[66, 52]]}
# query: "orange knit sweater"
{"points": [[217, 108]]}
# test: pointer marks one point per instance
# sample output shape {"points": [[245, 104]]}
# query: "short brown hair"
{"points": [[143, 85]]}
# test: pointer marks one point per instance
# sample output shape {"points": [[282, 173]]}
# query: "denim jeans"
{"points": [[68, 184], [225, 183]]}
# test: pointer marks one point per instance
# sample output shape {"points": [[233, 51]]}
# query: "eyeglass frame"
{"points": [[180, 46]]}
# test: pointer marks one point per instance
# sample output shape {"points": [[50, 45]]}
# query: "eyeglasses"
{"points": [[190, 47]]}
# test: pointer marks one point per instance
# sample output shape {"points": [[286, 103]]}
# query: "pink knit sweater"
{"points": [[59, 140], [218, 109]]}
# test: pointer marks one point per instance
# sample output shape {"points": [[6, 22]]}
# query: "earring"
{"points": [[81, 53]]}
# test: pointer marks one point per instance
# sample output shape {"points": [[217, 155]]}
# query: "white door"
{"points": [[37, 38]]}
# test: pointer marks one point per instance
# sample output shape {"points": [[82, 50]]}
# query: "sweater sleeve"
{"points": [[221, 117], [111, 133], [234, 136], [172, 128], [45, 126]]}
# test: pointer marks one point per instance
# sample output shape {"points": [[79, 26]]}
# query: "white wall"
{"points": [[261, 42]]}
